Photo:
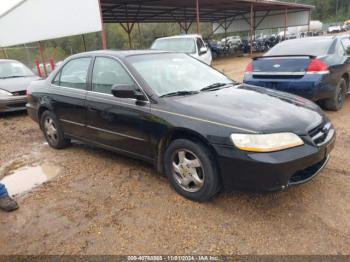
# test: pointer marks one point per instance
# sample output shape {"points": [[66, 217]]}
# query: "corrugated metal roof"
{"points": [[147, 11]]}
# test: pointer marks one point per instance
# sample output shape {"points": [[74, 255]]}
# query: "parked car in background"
{"points": [[316, 68], [189, 44], [15, 78], [334, 29], [232, 40], [215, 48], [347, 25], [200, 128]]}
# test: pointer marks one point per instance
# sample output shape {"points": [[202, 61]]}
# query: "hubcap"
{"points": [[187, 170], [341, 95], [50, 130]]}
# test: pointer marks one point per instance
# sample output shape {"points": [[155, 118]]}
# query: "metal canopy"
{"points": [[155, 11], [245, 14]]}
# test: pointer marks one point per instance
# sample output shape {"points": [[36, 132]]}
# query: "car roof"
{"points": [[119, 53], [8, 60]]}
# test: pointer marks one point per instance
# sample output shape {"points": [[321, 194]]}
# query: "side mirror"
{"points": [[127, 91], [203, 50]]}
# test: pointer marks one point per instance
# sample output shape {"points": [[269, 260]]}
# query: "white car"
{"points": [[232, 40], [334, 29], [189, 44]]}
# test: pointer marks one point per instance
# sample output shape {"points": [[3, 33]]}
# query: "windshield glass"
{"points": [[310, 46], [182, 45], [168, 73], [14, 69]]}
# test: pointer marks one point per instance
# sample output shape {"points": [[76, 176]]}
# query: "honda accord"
{"points": [[202, 129]]}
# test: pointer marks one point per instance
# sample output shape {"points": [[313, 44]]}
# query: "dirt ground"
{"points": [[103, 203]]}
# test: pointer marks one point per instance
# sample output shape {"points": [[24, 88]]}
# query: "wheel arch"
{"points": [[181, 133], [42, 108], [346, 76]]}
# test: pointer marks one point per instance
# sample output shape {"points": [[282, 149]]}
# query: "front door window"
{"points": [[108, 72]]}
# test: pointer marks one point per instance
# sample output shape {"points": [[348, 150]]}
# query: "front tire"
{"points": [[52, 131], [191, 170], [336, 102]]}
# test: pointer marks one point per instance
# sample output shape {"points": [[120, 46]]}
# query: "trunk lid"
{"points": [[281, 66]]}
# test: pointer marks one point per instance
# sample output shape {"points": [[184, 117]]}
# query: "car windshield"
{"points": [[182, 45], [171, 73], [311, 46], [14, 69]]}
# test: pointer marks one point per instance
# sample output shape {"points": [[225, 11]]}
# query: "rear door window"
{"points": [[310, 46], [74, 73], [108, 72]]}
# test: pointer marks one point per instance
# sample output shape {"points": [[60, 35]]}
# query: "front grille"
{"points": [[320, 133], [19, 93], [16, 105], [308, 173]]}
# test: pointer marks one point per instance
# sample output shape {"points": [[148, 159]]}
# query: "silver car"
{"points": [[15, 77]]}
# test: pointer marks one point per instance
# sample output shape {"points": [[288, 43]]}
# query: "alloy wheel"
{"points": [[341, 97], [187, 170], [50, 130]]}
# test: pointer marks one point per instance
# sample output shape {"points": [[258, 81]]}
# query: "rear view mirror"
{"points": [[127, 91], [203, 50]]}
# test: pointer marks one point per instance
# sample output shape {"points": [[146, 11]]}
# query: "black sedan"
{"points": [[203, 130], [15, 78], [317, 68]]}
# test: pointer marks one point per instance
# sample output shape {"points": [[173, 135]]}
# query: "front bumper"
{"points": [[274, 171], [13, 103]]}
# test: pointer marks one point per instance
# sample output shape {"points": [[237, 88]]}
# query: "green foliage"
{"points": [[328, 10]]}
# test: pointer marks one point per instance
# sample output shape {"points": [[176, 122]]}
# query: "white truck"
{"points": [[189, 44], [334, 29]]}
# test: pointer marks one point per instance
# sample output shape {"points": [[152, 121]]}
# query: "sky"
{"points": [[7, 4]]}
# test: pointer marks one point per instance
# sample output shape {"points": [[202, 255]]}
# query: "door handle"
{"points": [[92, 109]]}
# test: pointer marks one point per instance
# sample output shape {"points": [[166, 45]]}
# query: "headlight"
{"points": [[266, 142], [5, 93]]}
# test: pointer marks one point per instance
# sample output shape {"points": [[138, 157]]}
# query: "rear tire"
{"points": [[191, 170], [52, 131], [336, 102]]}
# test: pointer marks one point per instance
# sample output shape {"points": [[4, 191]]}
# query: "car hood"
{"points": [[17, 84], [252, 108]]}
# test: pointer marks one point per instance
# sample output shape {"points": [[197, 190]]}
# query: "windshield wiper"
{"points": [[215, 86], [10, 77], [180, 93]]}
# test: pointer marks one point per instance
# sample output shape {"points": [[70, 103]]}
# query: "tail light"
{"points": [[249, 68], [317, 66]]}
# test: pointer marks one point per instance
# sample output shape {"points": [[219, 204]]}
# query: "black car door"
{"points": [[117, 122], [68, 94]]}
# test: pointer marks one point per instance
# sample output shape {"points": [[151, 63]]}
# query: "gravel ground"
{"points": [[103, 203]]}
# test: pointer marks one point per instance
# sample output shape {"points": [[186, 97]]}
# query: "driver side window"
{"points": [[200, 44], [108, 72]]}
